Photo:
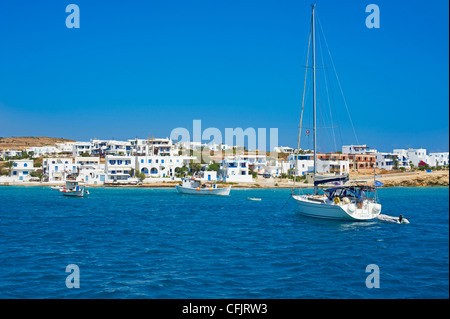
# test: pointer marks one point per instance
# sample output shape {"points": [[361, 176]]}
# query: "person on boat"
{"points": [[400, 218]]}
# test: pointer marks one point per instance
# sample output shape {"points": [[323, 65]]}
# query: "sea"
{"points": [[155, 243]]}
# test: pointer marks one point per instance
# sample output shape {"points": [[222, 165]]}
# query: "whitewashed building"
{"points": [[284, 149], [153, 146], [80, 148], [65, 148], [57, 169], [305, 164], [256, 162], [161, 166], [90, 171], [235, 169], [206, 176], [10, 153], [118, 168], [357, 149], [117, 148], [333, 166], [22, 169], [40, 151], [439, 159], [418, 155], [275, 168], [218, 147]]}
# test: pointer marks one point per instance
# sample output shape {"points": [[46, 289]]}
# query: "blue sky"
{"points": [[142, 68]]}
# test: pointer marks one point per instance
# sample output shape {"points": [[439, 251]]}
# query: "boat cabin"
{"points": [[195, 183], [72, 185]]}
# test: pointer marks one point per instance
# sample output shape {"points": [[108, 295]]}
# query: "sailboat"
{"points": [[353, 202]]}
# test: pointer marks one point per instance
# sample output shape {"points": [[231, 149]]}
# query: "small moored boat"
{"points": [[193, 186], [73, 189]]}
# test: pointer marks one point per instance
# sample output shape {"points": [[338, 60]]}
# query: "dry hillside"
{"points": [[20, 143]]}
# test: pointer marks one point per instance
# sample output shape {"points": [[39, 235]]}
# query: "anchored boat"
{"points": [[73, 189], [193, 186], [344, 202]]}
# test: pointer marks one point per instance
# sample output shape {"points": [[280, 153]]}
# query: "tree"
{"points": [[181, 171], [10, 165], [140, 175], [38, 173], [195, 167], [214, 167]]}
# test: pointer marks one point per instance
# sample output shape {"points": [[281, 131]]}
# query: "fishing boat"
{"points": [[73, 189], [194, 186], [354, 202]]}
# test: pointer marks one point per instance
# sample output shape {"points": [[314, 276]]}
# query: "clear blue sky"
{"points": [[142, 68]]}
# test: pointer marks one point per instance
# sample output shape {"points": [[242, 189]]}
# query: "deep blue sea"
{"points": [[156, 243]]}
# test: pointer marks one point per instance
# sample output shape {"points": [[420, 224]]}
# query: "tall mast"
{"points": [[314, 92]]}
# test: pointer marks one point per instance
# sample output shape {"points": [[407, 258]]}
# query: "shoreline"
{"points": [[407, 179]]}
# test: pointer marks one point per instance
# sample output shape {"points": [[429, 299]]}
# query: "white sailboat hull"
{"points": [[350, 212], [203, 191]]}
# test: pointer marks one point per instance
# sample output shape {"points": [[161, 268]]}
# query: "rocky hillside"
{"points": [[417, 180]]}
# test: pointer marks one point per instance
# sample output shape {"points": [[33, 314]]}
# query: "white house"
{"points": [[153, 146], [305, 163], [161, 166], [208, 176], [118, 148], [10, 153], [276, 168], [439, 159], [334, 166], [218, 147], [139, 147], [57, 169], [22, 169], [418, 155], [385, 160], [402, 157], [42, 150], [90, 171], [256, 162], [284, 149], [235, 170], [118, 168], [66, 148], [357, 149], [81, 147]]}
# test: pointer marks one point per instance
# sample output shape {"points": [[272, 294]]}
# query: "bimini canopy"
{"points": [[329, 179], [349, 191]]}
